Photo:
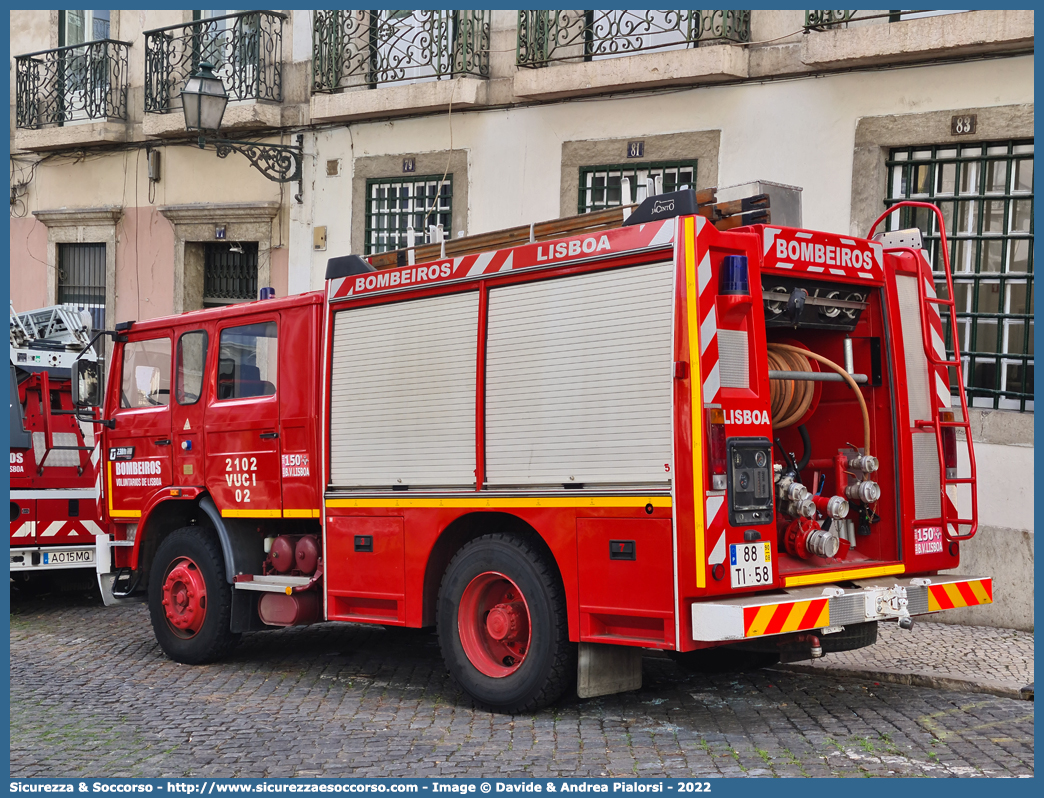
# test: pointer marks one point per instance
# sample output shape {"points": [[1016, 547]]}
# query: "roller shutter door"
{"points": [[579, 379], [403, 394]]}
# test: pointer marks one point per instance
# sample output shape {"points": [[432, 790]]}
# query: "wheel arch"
{"points": [[162, 518], [461, 531], [238, 540]]}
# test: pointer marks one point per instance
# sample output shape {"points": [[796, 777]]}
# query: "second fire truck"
{"points": [[557, 445], [54, 456]]}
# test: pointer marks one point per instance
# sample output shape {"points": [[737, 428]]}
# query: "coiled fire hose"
{"points": [[790, 399]]}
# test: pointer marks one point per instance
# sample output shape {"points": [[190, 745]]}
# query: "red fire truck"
{"points": [[737, 446], [54, 457]]}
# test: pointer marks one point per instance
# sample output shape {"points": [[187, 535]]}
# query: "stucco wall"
{"points": [[144, 280], [144, 286], [1003, 548], [28, 263]]}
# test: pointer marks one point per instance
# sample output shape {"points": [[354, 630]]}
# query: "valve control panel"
{"points": [[750, 481]]}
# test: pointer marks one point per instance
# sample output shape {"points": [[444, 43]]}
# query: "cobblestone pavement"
{"points": [[92, 695], [976, 658]]}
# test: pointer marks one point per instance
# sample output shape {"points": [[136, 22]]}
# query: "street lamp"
{"points": [[203, 99]]}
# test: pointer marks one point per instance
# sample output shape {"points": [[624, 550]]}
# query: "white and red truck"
{"points": [[54, 455], [559, 444]]}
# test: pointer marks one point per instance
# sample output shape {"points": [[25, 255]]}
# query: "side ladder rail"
{"points": [[949, 515]]}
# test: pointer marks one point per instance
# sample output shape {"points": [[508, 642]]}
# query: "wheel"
{"points": [[724, 660], [502, 625], [189, 600]]}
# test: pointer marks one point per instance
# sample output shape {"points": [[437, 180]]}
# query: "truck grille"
{"points": [[927, 501]]}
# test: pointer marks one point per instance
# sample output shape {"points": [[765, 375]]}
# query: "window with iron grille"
{"points": [[985, 192], [600, 186], [81, 279], [394, 204], [229, 273]]}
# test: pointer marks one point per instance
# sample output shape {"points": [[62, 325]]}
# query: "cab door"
{"points": [[187, 411], [138, 460], [241, 423]]}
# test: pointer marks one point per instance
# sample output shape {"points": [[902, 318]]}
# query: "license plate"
{"points": [[83, 557], [750, 564]]}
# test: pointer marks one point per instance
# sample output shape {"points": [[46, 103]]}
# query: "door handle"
{"points": [[162, 442], [267, 435]]}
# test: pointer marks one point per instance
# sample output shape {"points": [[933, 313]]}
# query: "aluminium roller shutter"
{"points": [[579, 379], [403, 394]]}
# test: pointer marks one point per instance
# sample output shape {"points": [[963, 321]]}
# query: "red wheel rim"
{"points": [[493, 623], [185, 598]]}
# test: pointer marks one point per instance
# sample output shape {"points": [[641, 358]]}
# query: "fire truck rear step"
{"points": [[824, 606]]}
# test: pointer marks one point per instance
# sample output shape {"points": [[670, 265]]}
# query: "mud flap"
{"points": [[605, 669], [245, 617]]}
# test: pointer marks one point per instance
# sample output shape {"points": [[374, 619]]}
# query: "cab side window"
{"points": [[247, 361], [192, 357], [146, 374]]}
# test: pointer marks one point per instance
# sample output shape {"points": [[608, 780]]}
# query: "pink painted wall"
{"points": [[144, 265], [28, 264]]}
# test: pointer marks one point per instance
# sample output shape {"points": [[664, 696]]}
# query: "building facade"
{"points": [[471, 121]]}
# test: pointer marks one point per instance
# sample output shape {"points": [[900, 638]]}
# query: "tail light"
{"points": [[716, 447], [949, 444]]}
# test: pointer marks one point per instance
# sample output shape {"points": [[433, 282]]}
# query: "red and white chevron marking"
{"points": [[41, 529], [715, 523], [23, 529], [541, 254], [707, 291], [942, 387], [943, 397]]}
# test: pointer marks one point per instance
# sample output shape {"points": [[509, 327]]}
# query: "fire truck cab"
{"points": [[736, 446]]}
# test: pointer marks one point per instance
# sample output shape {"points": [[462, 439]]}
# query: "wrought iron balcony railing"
{"points": [[822, 20], [70, 84], [363, 49], [245, 50], [547, 36]]}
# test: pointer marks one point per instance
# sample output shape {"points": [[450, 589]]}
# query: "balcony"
{"points": [[845, 39], [824, 20], [547, 36], [71, 95], [246, 51], [585, 50], [377, 63]]}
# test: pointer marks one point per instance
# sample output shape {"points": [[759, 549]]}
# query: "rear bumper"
{"points": [[51, 558], [811, 608]]}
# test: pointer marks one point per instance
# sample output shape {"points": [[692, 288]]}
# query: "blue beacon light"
{"points": [[733, 278]]}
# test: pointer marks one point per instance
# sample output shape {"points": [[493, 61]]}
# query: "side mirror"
{"points": [[86, 384]]}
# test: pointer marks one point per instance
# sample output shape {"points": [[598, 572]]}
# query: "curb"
{"points": [[917, 680]]}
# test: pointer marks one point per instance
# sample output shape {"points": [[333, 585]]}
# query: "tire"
{"points": [[501, 584], [853, 636], [189, 600], [724, 659]]}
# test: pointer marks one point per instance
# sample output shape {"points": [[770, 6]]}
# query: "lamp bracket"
{"points": [[280, 163]]}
